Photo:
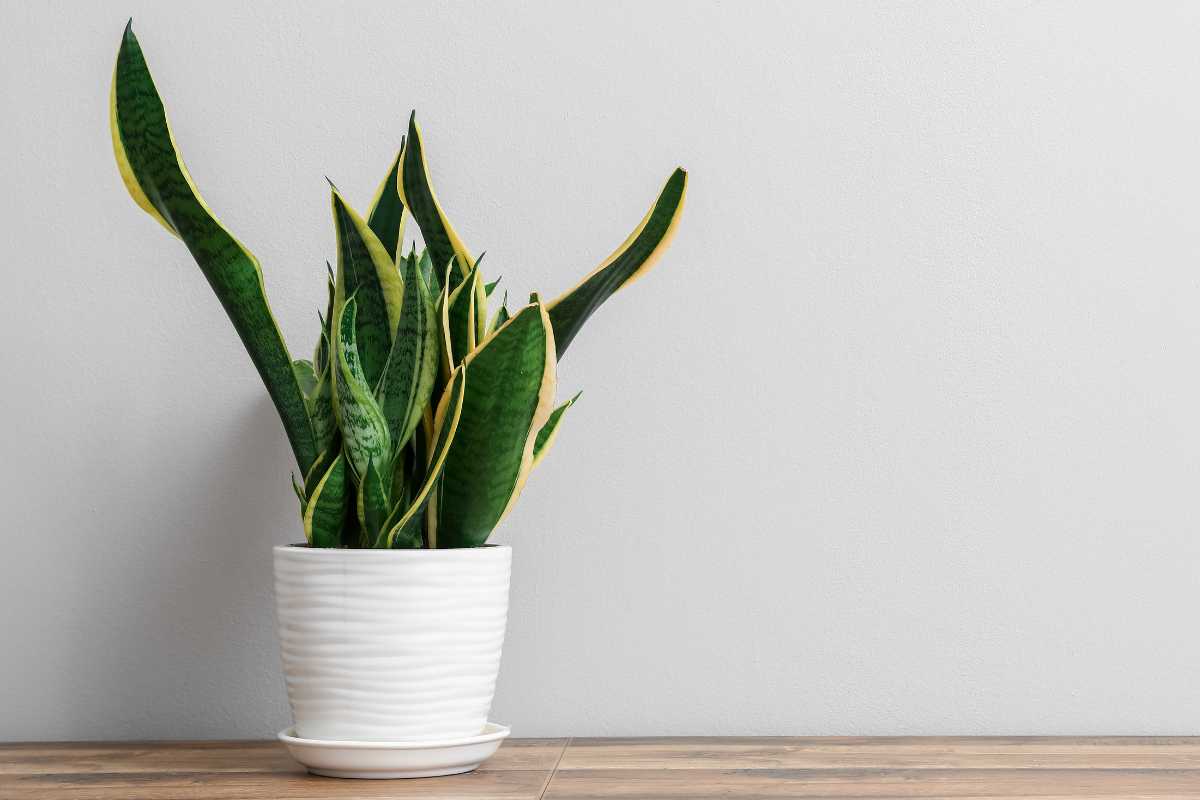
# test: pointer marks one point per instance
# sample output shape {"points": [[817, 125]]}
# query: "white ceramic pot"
{"points": [[391, 645]]}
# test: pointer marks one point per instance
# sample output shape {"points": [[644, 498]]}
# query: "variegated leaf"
{"points": [[386, 217], [461, 317], [159, 183], [326, 509], [320, 410], [404, 530], [367, 272], [320, 467], [448, 358], [549, 431], [363, 427], [299, 490], [630, 261], [408, 379], [507, 401], [502, 315], [443, 242], [321, 354], [372, 505]]}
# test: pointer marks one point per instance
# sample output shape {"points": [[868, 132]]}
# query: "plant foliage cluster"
{"points": [[421, 413]]}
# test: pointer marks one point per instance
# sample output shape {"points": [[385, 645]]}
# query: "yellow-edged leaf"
{"points": [[636, 255]]}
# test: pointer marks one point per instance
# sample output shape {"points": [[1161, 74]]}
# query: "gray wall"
{"points": [[902, 436]]}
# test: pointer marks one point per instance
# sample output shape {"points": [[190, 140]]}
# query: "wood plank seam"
{"points": [[554, 769]]}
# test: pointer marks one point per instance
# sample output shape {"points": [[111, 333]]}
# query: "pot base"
{"points": [[341, 759]]}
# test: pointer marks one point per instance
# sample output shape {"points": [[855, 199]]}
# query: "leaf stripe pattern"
{"points": [[371, 505], [508, 399], [408, 378], [362, 424], [159, 183], [462, 316], [327, 507]]}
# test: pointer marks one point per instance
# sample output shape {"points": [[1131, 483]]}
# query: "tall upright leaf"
{"points": [[363, 427], [386, 217], [461, 317], [508, 400], [158, 181], [443, 242], [367, 272], [631, 260], [404, 529], [407, 382]]}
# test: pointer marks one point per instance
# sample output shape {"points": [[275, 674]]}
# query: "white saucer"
{"points": [[394, 759]]}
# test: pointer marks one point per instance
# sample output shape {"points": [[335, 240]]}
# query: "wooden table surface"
{"points": [[1025, 767]]}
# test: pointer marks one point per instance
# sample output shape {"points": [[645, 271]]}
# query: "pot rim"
{"points": [[410, 552]]}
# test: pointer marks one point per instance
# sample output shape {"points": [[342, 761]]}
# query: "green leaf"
{"points": [[404, 530], [299, 490], [363, 427], [367, 272], [408, 379], [320, 410], [305, 376], [502, 315], [321, 355], [490, 287], [426, 266], [327, 507], [508, 400], [416, 192], [156, 178], [386, 217], [549, 431], [318, 397], [372, 505], [630, 261], [446, 362], [441, 240], [461, 318], [319, 468]]}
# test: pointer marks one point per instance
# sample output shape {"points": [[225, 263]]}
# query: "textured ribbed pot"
{"points": [[391, 645]]}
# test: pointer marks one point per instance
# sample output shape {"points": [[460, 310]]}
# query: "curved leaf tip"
{"points": [[634, 258]]}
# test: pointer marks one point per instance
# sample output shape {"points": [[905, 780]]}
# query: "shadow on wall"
{"points": [[197, 589]]}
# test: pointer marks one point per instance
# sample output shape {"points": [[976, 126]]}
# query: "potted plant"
{"points": [[415, 425]]}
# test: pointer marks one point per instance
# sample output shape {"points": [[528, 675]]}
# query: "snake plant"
{"points": [[420, 414]]}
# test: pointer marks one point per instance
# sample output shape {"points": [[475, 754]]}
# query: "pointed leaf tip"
{"points": [[632, 259], [154, 175]]}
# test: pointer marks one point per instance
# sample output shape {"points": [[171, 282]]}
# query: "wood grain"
{"points": [[520, 770], [1051, 768]]}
